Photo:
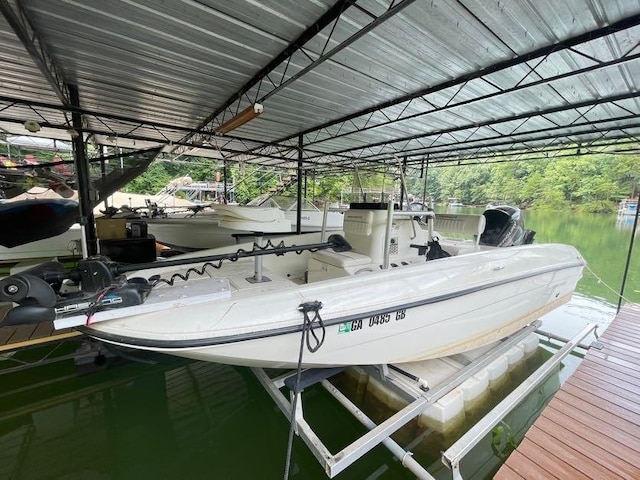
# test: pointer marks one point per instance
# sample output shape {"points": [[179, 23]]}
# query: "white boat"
{"points": [[213, 229], [374, 300], [206, 228], [628, 206], [312, 217], [64, 245]]}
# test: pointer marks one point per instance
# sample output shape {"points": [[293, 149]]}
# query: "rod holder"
{"points": [[257, 271]]}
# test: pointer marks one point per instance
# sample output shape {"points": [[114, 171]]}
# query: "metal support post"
{"points": [[257, 270], [299, 206], [387, 237], [87, 221]]}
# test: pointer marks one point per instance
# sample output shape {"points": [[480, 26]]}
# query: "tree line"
{"points": [[590, 183]]}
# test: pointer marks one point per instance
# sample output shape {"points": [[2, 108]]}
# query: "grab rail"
{"points": [[456, 452]]}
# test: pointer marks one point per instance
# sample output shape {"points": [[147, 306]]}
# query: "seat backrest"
{"points": [[365, 230], [464, 224]]}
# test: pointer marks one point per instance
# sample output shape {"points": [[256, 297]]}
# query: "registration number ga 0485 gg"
{"points": [[373, 321]]}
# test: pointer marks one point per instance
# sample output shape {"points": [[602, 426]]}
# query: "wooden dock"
{"points": [[15, 338], [591, 428]]}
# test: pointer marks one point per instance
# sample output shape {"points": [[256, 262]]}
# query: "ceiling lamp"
{"points": [[32, 126], [249, 113]]}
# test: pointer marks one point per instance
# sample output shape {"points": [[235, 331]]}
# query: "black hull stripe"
{"points": [[204, 342]]}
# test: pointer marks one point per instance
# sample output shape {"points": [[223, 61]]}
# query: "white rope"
{"points": [[606, 285]]}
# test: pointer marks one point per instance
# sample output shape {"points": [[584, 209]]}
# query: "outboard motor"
{"points": [[505, 227]]}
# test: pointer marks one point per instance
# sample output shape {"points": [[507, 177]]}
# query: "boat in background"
{"points": [[628, 206], [40, 201], [213, 226], [380, 294], [204, 229], [312, 217], [40, 228]]}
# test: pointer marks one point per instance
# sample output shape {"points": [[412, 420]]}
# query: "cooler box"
{"points": [[129, 250], [111, 228]]}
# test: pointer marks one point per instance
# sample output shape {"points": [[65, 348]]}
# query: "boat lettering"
{"points": [[348, 327], [379, 319], [73, 307], [400, 314], [76, 307]]}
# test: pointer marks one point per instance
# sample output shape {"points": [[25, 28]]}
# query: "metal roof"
{"points": [[351, 82]]}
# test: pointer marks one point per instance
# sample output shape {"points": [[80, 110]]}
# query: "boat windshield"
{"points": [[288, 203]]}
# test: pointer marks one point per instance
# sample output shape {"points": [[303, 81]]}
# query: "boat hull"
{"points": [[429, 310], [65, 245], [203, 231]]}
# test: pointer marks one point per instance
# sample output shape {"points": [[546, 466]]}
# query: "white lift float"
{"points": [[420, 399]]}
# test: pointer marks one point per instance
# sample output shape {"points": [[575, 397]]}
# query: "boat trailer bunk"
{"points": [[286, 390]]}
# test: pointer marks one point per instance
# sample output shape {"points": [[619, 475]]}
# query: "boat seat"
{"points": [[341, 259], [462, 224]]}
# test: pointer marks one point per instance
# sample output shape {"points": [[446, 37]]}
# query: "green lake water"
{"points": [[169, 418]]}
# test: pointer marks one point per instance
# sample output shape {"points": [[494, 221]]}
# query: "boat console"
{"points": [[377, 241]]}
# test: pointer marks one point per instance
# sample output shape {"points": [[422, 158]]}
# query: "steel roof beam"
{"points": [[420, 152], [19, 21], [623, 24], [449, 105], [513, 146], [487, 123], [162, 128], [329, 16], [508, 156], [143, 138]]}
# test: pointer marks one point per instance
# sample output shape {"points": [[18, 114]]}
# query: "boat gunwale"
{"points": [[242, 337]]}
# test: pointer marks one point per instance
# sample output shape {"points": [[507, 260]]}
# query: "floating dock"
{"points": [[591, 428]]}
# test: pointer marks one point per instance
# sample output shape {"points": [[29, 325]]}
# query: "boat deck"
{"points": [[15, 338], [591, 428]]}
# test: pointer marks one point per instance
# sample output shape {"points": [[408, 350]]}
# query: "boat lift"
{"points": [[421, 399]]}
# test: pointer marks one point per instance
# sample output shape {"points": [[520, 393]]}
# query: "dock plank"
{"points": [[582, 463], [597, 362], [538, 455], [614, 394], [623, 424], [580, 440], [603, 372], [506, 473], [591, 428], [525, 468], [16, 338], [603, 402], [44, 329], [573, 413], [22, 333]]}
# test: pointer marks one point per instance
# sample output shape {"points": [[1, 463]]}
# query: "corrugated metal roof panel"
{"points": [[177, 62]]}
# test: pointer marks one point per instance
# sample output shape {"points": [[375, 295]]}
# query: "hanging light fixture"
{"points": [[32, 126], [249, 113]]}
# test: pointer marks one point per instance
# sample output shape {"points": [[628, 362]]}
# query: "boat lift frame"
{"points": [[456, 452], [333, 464]]}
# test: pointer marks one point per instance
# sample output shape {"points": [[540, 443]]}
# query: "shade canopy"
{"points": [[340, 83]]}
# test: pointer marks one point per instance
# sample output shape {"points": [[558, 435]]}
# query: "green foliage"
{"points": [[591, 183], [502, 441]]}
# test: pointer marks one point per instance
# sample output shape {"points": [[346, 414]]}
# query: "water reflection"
{"points": [[625, 222], [176, 419], [136, 421]]}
